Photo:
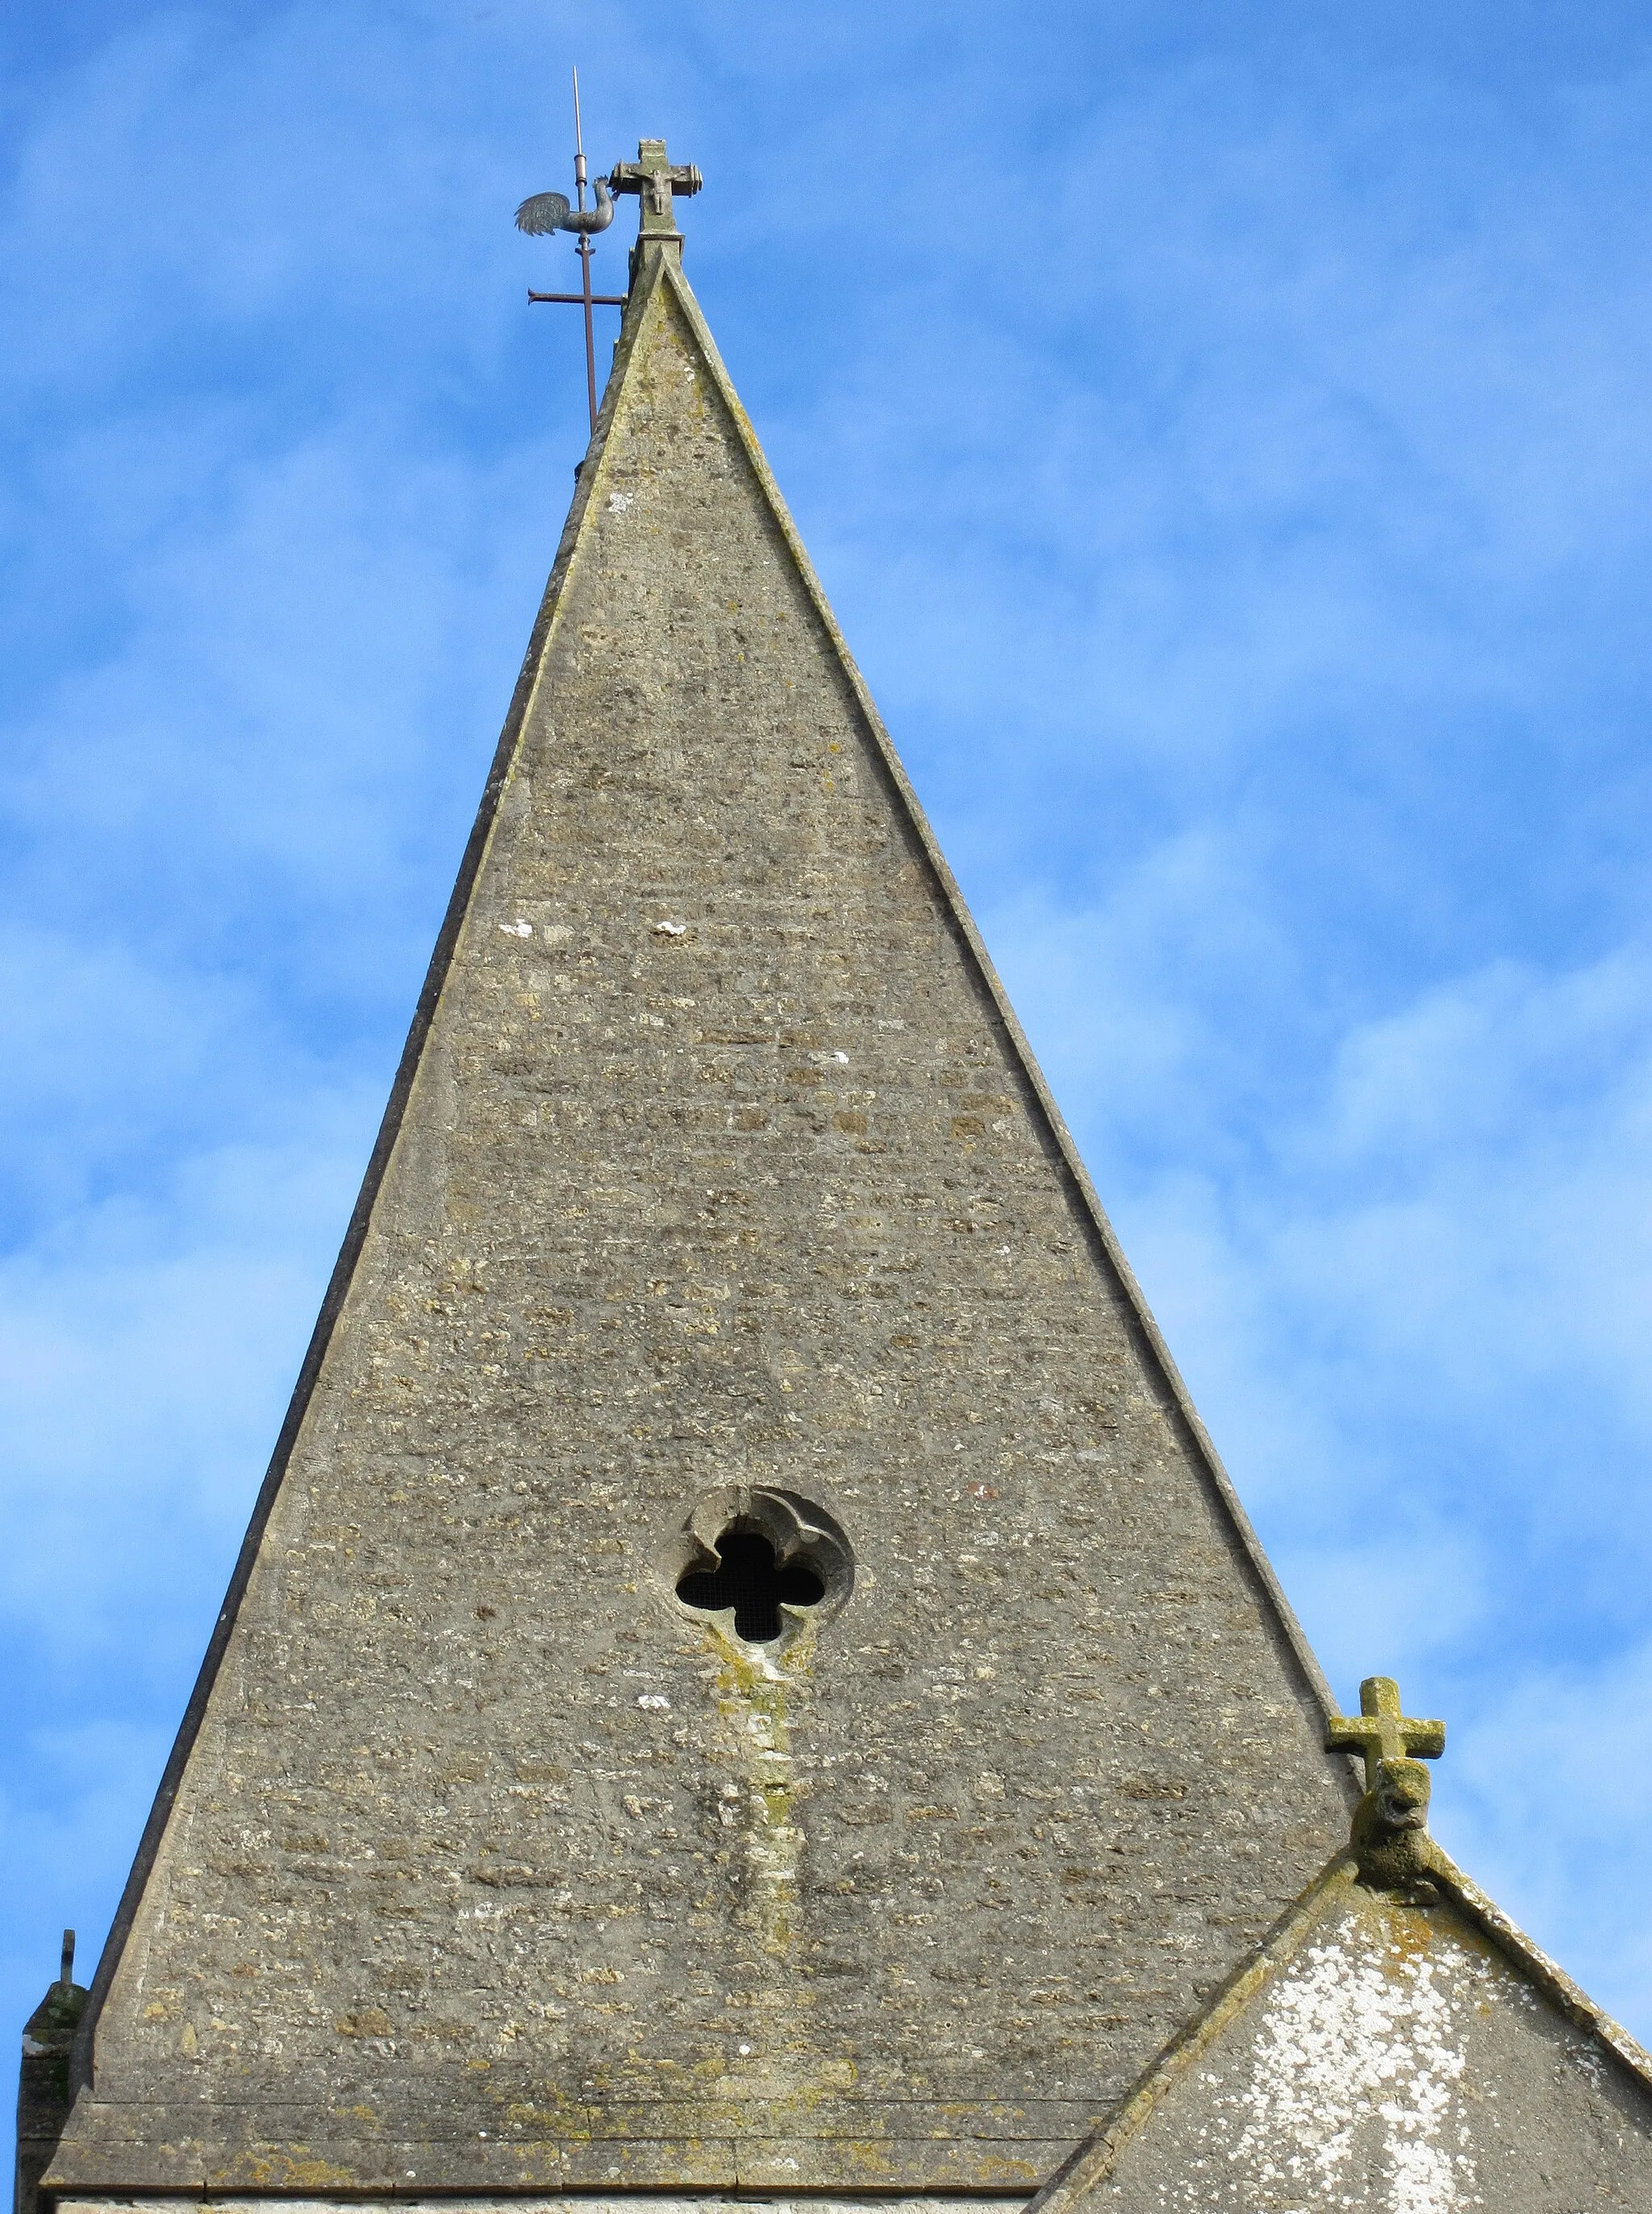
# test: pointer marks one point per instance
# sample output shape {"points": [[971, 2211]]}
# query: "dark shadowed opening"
{"points": [[752, 1582]]}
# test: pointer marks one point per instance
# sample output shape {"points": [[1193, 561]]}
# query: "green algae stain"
{"points": [[756, 1690]]}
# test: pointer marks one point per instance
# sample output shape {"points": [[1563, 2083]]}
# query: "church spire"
{"points": [[744, 1645]]}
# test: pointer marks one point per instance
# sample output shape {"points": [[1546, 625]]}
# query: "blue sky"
{"points": [[1224, 433]]}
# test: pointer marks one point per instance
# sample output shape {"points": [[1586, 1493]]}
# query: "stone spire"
{"points": [[746, 1671]]}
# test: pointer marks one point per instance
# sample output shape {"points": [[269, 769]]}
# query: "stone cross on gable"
{"points": [[1382, 1731], [653, 177]]}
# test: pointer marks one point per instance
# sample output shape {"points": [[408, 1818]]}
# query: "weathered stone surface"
{"points": [[1383, 2057], [43, 2086], [527, 2203], [715, 1162]]}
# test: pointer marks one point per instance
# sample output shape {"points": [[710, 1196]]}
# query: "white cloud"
{"points": [[1550, 1806], [148, 1347], [68, 1810]]}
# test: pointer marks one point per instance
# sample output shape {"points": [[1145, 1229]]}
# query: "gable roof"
{"points": [[717, 1169], [1376, 2054]]}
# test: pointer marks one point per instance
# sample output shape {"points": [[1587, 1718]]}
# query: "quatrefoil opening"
{"points": [[759, 1565]]}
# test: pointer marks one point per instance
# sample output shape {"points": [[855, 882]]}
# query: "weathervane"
{"points": [[548, 212], [653, 177]]}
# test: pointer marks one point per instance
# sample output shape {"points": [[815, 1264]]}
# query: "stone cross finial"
{"points": [[654, 178], [1382, 1731]]}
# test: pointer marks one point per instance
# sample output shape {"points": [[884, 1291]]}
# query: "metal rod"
{"points": [[584, 297], [584, 250], [590, 333], [579, 145]]}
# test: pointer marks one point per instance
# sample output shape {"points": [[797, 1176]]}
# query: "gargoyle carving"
{"points": [[1391, 1830]]}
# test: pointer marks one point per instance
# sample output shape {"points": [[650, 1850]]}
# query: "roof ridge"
{"points": [[1551, 1978]]}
